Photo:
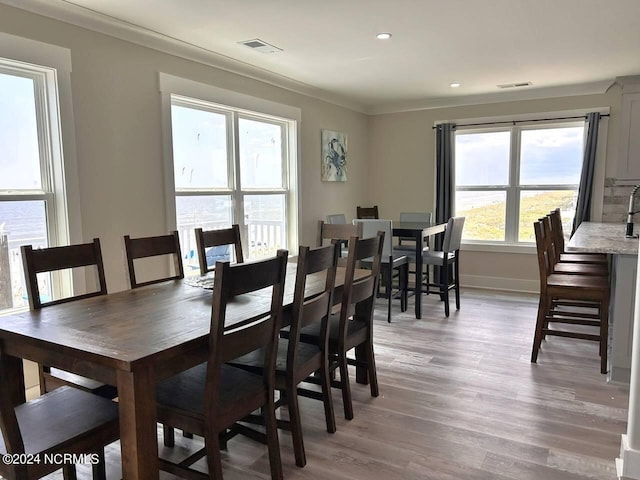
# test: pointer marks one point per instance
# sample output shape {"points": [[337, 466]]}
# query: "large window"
{"points": [[507, 178], [230, 166], [32, 208]]}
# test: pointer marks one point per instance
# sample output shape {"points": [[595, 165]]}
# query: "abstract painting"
{"points": [[334, 156]]}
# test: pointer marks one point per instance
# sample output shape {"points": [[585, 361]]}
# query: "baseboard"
{"points": [[500, 283]]}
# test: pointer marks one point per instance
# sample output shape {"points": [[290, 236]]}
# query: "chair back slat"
{"points": [[217, 238], [367, 212], [453, 234], [58, 258], [146, 247], [227, 343]]}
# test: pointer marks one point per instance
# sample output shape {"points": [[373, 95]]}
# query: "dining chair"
{"points": [[208, 241], [64, 421], [367, 212], [560, 292], [296, 361], [87, 256], [145, 247], [389, 263], [448, 257], [337, 219], [353, 326], [211, 397]]}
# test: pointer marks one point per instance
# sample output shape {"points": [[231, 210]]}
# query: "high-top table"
{"points": [[132, 339], [417, 231], [609, 238]]}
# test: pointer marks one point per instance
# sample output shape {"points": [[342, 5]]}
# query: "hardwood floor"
{"points": [[459, 399]]}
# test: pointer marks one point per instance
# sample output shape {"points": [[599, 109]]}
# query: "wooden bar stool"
{"points": [[560, 294]]}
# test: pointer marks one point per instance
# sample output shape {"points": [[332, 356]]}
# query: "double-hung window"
{"points": [[507, 178], [32, 202], [231, 166]]}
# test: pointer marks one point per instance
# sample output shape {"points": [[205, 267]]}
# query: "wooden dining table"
{"points": [[131, 339], [417, 231]]}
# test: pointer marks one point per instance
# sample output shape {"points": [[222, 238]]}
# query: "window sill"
{"points": [[498, 248]]}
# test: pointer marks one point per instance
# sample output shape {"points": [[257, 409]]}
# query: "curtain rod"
{"points": [[513, 122]]}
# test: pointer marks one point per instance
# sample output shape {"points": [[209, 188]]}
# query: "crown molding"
{"points": [[73, 14], [501, 97]]}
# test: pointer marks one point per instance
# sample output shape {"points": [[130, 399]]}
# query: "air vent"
{"points": [[514, 85], [260, 46]]}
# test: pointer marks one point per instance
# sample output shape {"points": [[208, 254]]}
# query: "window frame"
{"points": [[244, 106], [514, 189], [49, 66]]}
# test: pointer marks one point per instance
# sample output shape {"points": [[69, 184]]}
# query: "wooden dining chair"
{"points": [[448, 257], [208, 240], [559, 293], [312, 302], [87, 256], [390, 262], [353, 326], [145, 247], [337, 232], [367, 212], [211, 397], [64, 421]]}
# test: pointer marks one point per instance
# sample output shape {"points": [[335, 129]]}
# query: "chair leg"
{"points": [[404, 286], [387, 287], [457, 281], [540, 323], [187, 434], [273, 445], [371, 368], [327, 399], [604, 334], [345, 387], [295, 425], [444, 288], [214, 462], [69, 472], [169, 436], [99, 469]]}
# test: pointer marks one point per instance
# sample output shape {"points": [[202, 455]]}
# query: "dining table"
{"points": [[133, 339], [417, 231]]}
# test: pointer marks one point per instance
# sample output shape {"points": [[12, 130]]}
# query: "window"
{"points": [[507, 178], [32, 209], [231, 166]]}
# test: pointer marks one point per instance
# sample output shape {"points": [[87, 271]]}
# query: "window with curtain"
{"points": [[508, 177], [32, 206], [231, 166]]}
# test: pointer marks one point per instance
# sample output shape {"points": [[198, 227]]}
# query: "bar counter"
{"points": [[609, 238]]}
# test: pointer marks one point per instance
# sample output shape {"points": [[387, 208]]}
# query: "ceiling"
{"points": [[329, 48]]}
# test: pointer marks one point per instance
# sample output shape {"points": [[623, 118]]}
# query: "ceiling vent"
{"points": [[514, 85], [260, 46]]}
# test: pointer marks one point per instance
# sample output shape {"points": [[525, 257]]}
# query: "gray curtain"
{"points": [[585, 189], [444, 174]]}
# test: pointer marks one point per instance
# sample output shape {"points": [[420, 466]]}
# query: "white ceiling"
{"points": [[329, 48]]}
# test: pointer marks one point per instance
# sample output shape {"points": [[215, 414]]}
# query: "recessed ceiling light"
{"points": [[383, 36], [454, 85]]}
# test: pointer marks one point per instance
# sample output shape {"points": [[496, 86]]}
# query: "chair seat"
{"points": [[409, 250], [584, 258], [254, 361], [185, 394], [54, 418], [582, 282], [581, 269], [436, 258], [356, 332]]}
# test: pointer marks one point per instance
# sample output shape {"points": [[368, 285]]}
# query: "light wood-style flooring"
{"points": [[459, 399]]}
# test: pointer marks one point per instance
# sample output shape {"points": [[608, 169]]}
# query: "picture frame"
{"points": [[334, 156]]}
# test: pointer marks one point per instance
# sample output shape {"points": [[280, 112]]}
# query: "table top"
{"points": [[596, 237], [425, 228], [127, 329]]}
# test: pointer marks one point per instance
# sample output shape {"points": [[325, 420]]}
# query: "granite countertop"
{"points": [[597, 237]]}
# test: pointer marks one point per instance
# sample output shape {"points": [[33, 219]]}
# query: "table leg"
{"points": [[418, 291], [138, 435], [12, 370]]}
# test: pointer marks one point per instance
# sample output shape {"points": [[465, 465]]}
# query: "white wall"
{"points": [[117, 112]]}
